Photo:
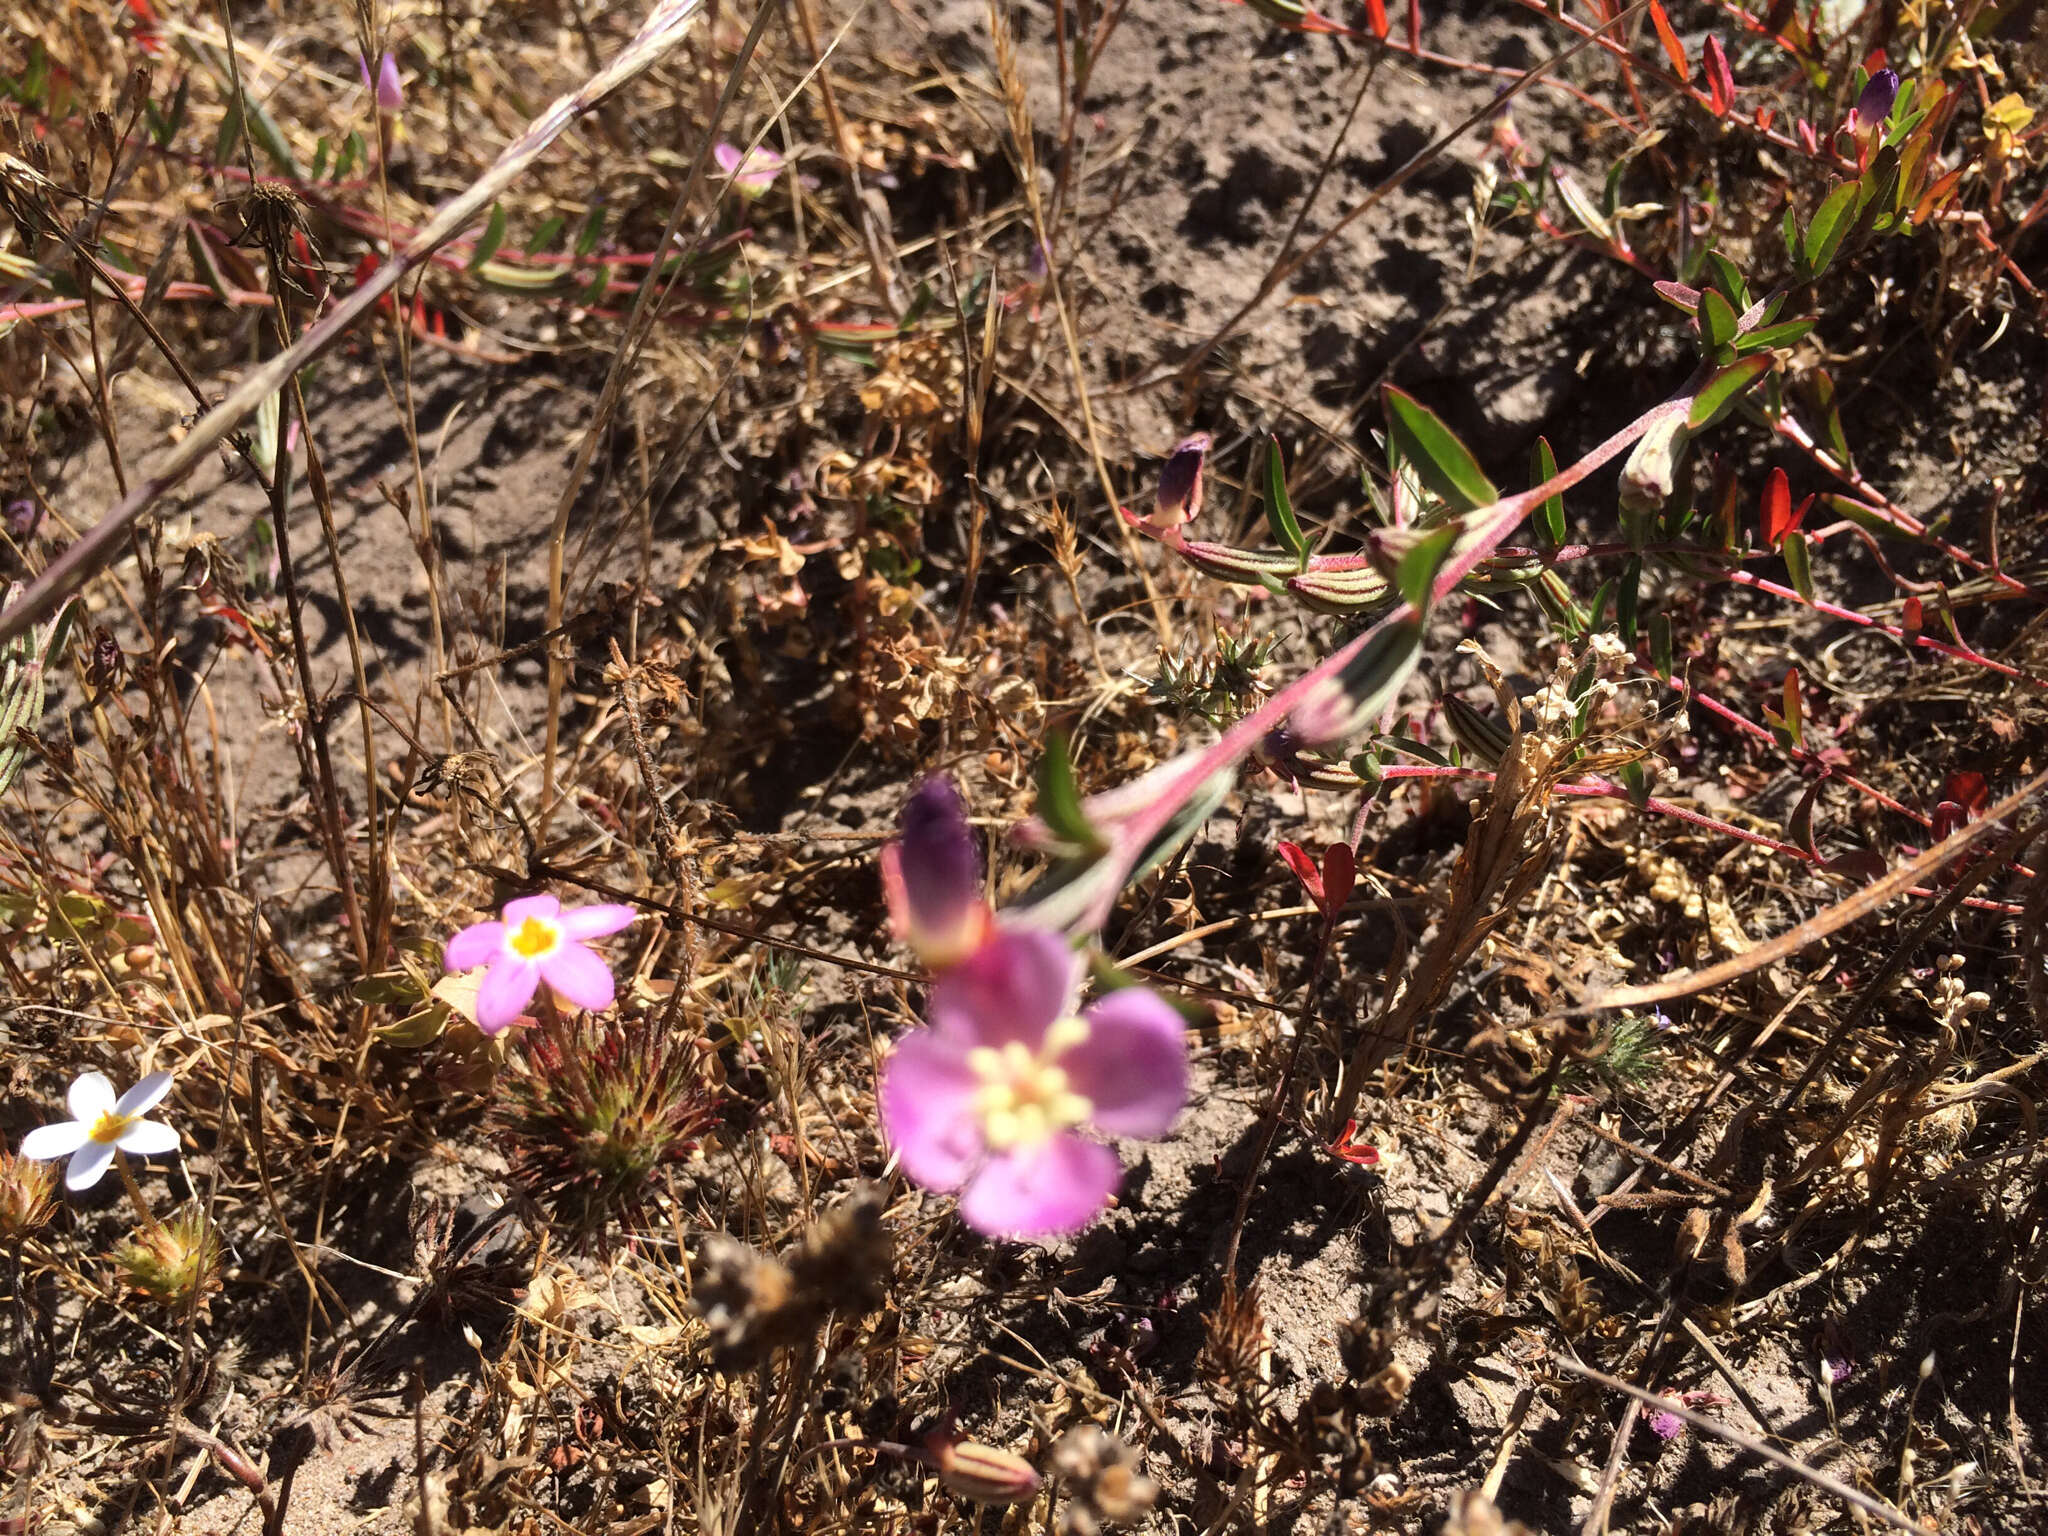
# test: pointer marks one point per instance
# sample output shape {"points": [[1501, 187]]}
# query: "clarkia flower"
{"points": [[752, 171], [1002, 1097], [101, 1125], [931, 876], [390, 93], [537, 942]]}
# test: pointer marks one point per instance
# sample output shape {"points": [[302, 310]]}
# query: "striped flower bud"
{"points": [[982, 1472]]}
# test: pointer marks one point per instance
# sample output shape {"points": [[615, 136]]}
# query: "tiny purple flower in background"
{"points": [[389, 91], [537, 942], [1666, 1425], [101, 1125], [1002, 1096], [753, 172], [1874, 105], [931, 875]]}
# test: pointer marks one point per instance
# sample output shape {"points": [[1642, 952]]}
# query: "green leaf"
{"points": [[592, 230], [1280, 508], [1626, 597], [269, 138], [321, 151], [1772, 336], [1727, 280], [1824, 234], [230, 133], [1660, 644], [493, 237], [1549, 517], [1724, 388], [1415, 572], [546, 235], [352, 154], [1059, 799], [1717, 322], [600, 280], [1637, 782], [1446, 465], [1798, 563], [1788, 231]]}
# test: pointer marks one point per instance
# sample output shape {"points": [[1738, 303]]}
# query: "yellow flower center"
{"points": [[1024, 1096], [533, 938], [108, 1128]]}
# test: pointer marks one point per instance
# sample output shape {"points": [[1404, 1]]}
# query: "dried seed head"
{"points": [[174, 1264], [28, 1195], [1472, 1514], [754, 1303], [271, 216], [982, 1472], [1103, 1476]]}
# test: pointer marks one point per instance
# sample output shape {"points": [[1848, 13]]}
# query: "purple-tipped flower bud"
{"points": [[932, 877], [1180, 484], [389, 91], [1875, 104]]}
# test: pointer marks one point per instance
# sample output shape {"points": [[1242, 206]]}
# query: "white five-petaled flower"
{"points": [[101, 1125]]}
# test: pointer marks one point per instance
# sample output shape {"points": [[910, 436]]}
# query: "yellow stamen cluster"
{"points": [[534, 938], [1024, 1096], [108, 1128]]}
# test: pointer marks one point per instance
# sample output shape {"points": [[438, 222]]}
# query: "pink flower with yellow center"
{"points": [[102, 1125], [538, 942], [1004, 1096]]}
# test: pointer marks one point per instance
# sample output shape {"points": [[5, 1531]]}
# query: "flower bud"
{"points": [[982, 1472], [1180, 485], [1875, 104], [931, 875], [1650, 474], [175, 1264]]}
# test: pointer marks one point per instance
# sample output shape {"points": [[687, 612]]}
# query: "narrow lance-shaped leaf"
{"points": [[493, 237], [1446, 465], [1660, 644], [1059, 799], [1280, 508], [1549, 517], [1798, 564], [1824, 234], [1721, 392]]}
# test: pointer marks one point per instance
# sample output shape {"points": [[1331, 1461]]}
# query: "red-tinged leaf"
{"points": [[1679, 296], [1376, 17], [1780, 13], [1794, 714], [1764, 115], [1340, 873], [1352, 1150], [1305, 871], [1414, 26], [1949, 818], [1672, 48], [1970, 790], [1777, 509], [1720, 79], [1914, 617]]}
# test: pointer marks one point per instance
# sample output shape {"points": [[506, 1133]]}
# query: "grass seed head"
{"points": [[174, 1264], [755, 1303]]}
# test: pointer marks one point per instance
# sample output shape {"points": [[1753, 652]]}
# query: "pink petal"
{"points": [[145, 1095], [48, 1142], [1049, 1190], [727, 155], [1012, 988], [542, 906], [479, 944], [148, 1138], [507, 988], [1133, 1067], [91, 1096], [595, 922], [577, 976], [927, 1102]]}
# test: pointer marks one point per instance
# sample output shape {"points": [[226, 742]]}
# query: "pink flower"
{"points": [[537, 942], [998, 1097], [1666, 1425], [931, 876], [753, 172], [389, 92]]}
